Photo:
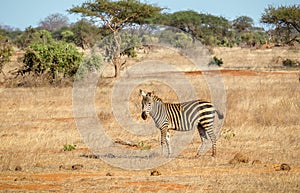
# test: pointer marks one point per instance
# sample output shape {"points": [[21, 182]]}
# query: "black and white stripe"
{"points": [[181, 117]]}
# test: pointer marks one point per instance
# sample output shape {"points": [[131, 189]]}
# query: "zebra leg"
{"points": [[165, 139], [162, 142], [204, 138], [168, 142], [213, 139]]}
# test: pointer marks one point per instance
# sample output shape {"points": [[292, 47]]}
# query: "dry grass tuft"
{"points": [[239, 158]]}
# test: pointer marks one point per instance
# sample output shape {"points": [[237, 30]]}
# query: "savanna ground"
{"points": [[261, 130]]}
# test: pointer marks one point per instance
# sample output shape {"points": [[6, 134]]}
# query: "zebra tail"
{"points": [[220, 115]]}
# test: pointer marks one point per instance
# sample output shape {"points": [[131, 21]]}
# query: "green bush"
{"points": [[142, 146], [57, 59], [90, 63], [6, 51], [31, 36], [69, 147], [216, 61], [176, 39]]}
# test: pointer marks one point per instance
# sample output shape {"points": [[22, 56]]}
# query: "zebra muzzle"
{"points": [[144, 115]]}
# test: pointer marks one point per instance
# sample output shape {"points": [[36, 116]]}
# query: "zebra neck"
{"points": [[158, 113]]}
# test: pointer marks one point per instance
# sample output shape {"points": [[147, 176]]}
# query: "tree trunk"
{"points": [[116, 59], [117, 66]]}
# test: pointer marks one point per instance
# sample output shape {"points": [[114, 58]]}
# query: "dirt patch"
{"points": [[242, 72], [145, 186], [30, 187]]}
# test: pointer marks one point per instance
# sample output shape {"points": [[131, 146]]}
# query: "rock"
{"points": [[77, 167], [20, 179], [155, 173], [18, 168], [90, 156], [285, 167], [73, 167], [62, 167]]}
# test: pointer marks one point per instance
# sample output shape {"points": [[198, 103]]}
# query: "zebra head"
{"points": [[147, 103]]}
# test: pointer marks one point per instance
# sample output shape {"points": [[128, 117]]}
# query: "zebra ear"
{"points": [[142, 93], [152, 93]]}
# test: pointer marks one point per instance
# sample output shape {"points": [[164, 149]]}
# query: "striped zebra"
{"points": [[180, 117]]}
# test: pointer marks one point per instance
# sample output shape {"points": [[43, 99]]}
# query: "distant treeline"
{"points": [[50, 49], [283, 28]]}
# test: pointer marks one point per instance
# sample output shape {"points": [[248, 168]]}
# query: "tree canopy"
{"points": [[116, 15], [285, 22], [243, 23], [54, 22], [187, 21]]}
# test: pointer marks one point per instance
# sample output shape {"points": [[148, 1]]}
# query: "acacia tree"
{"points": [[116, 15], [243, 23], [187, 21], [54, 22], [285, 22], [206, 28], [85, 33]]}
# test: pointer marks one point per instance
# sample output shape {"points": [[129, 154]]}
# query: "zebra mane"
{"points": [[156, 98]]}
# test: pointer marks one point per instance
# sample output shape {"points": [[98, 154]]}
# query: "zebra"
{"points": [[180, 117]]}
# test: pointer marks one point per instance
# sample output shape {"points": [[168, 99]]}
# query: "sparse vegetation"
{"points": [[69, 147], [261, 123], [6, 52], [142, 146], [90, 64], [228, 134], [216, 61], [291, 63], [41, 129]]}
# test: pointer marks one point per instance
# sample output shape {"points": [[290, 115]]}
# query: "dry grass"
{"points": [[262, 123]]}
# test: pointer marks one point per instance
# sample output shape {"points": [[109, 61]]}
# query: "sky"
{"points": [[24, 13]]}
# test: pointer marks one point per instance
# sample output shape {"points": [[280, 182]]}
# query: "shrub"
{"points": [[142, 146], [216, 61], [57, 59], [31, 36], [69, 147], [90, 63], [290, 63], [6, 51]]}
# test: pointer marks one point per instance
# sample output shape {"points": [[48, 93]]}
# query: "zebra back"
{"points": [[185, 116]]}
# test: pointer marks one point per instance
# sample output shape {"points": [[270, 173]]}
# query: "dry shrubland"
{"points": [[261, 123]]}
